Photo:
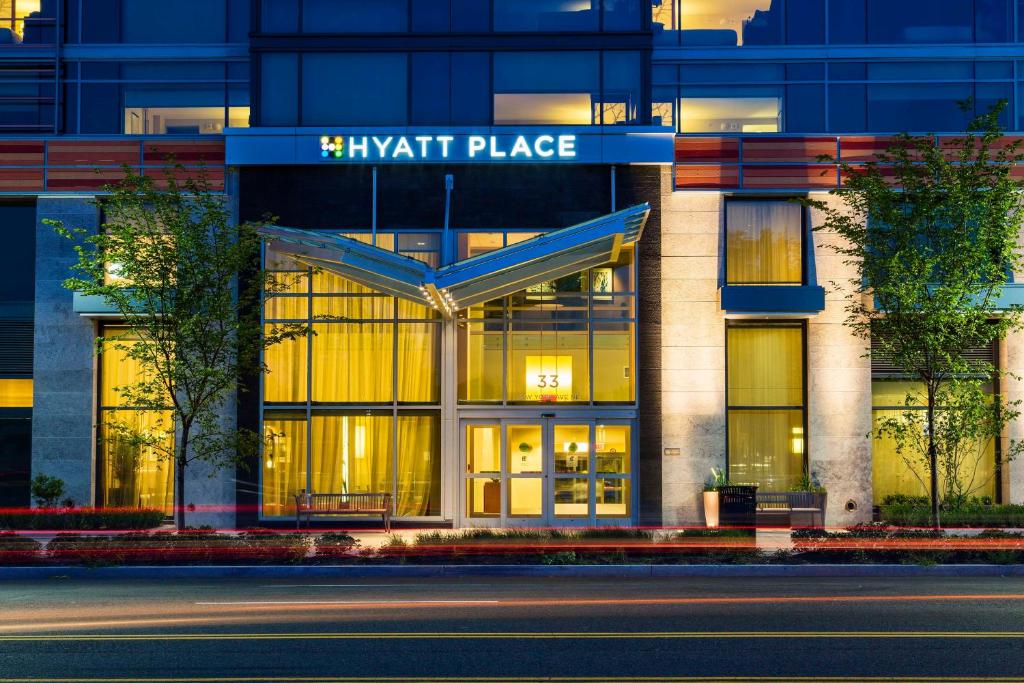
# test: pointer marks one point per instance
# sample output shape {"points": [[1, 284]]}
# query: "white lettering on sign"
{"points": [[437, 147]]}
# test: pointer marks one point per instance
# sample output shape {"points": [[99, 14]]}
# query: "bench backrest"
{"points": [[343, 501]]}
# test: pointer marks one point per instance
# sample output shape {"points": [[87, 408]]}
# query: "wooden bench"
{"points": [[357, 504], [780, 509]]}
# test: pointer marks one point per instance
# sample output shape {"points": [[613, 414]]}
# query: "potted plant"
{"points": [[718, 480]]}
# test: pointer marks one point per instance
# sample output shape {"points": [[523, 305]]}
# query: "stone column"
{"points": [[693, 351], [63, 435], [838, 391]]}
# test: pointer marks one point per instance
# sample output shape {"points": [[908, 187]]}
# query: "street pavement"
{"points": [[512, 629]]}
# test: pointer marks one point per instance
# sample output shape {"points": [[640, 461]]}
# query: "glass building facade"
{"points": [[597, 394]]}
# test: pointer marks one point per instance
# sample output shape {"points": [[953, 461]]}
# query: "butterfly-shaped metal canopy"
{"points": [[475, 280]]}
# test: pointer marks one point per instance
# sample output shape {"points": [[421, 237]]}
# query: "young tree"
{"points": [[932, 230], [184, 280]]}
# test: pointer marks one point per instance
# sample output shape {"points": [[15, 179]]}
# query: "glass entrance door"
{"points": [[546, 472]]}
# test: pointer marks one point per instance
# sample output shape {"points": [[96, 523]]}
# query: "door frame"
{"points": [[548, 475]]}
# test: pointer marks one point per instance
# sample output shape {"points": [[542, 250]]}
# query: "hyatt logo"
{"points": [[385, 148]]}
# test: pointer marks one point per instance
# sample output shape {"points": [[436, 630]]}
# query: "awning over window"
{"points": [[474, 280]]}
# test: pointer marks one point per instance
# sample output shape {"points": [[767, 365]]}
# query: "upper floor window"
{"points": [[25, 21], [201, 110], [354, 16], [730, 114], [181, 21], [546, 15], [764, 243]]}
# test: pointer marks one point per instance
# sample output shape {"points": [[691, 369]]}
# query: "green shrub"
{"points": [[334, 546], [974, 514], [881, 543], [46, 490], [188, 547], [82, 519]]}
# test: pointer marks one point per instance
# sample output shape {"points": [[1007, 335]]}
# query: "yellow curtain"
{"points": [[766, 448], [352, 363], [287, 363], [351, 453], [133, 475], [284, 462], [763, 243], [419, 466], [765, 366], [418, 361]]}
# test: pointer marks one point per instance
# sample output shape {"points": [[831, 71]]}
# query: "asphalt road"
{"points": [[512, 630]]}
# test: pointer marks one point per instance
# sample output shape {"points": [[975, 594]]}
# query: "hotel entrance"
{"points": [[546, 472]]}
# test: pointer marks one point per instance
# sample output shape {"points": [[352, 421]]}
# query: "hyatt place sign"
{"points": [[438, 148]]}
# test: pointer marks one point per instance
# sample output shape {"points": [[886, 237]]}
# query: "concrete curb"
{"points": [[456, 571]]}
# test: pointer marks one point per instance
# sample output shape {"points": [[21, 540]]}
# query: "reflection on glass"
{"points": [[612, 446], [525, 449], [572, 449], [612, 497], [730, 114], [483, 449], [732, 22], [572, 497], [284, 461], [525, 496], [545, 15]]}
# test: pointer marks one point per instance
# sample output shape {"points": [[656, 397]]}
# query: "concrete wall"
{"points": [[693, 369], [63, 438]]}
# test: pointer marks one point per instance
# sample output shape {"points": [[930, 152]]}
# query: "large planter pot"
{"points": [[711, 509]]}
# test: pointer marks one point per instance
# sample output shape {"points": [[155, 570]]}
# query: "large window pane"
{"points": [[548, 363], [354, 89], [766, 448], [920, 21], [419, 359], [284, 461], [765, 365], [546, 15], [352, 363], [730, 114], [181, 21], [15, 393], [287, 368], [736, 22], [613, 362], [546, 88], [419, 465], [137, 475], [917, 107], [764, 243], [351, 453], [481, 359], [623, 15], [623, 74]]}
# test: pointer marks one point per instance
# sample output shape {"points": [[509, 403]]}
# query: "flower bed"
{"points": [[883, 544]]}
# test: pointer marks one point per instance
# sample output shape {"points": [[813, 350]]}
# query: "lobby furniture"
{"points": [[791, 508]]}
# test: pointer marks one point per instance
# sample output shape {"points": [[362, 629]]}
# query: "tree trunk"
{"points": [[933, 461], [179, 488]]}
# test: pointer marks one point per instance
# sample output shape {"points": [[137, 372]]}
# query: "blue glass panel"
{"points": [[623, 15], [238, 71], [17, 277], [170, 71], [847, 109], [182, 21], [534, 72], [920, 71], [238, 96], [471, 15], [993, 21], [986, 70], [765, 26], [354, 89], [95, 71], [918, 108], [847, 71], [805, 112], [733, 73], [623, 75], [355, 16], [279, 16], [101, 108], [546, 15], [102, 23], [239, 21], [665, 74], [431, 84], [279, 101], [173, 96], [846, 22], [805, 22], [431, 16], [805, 71], [986, 95], [920, 21], [471, 88]]}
